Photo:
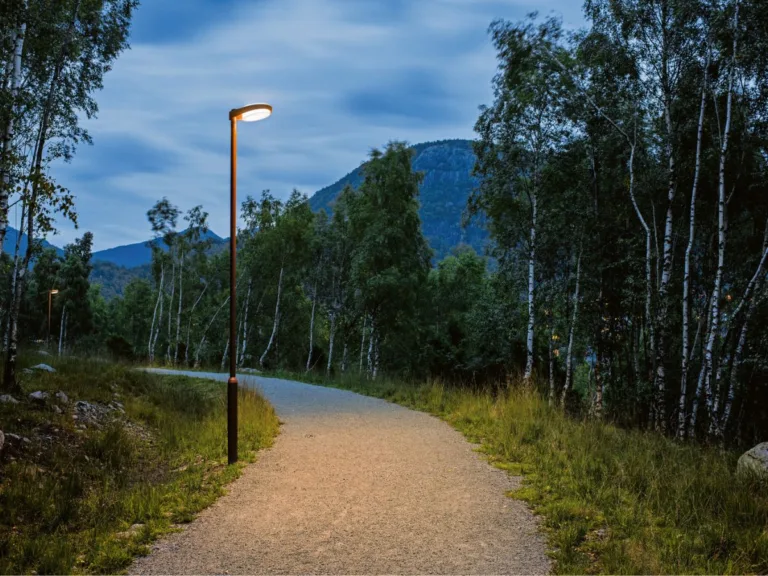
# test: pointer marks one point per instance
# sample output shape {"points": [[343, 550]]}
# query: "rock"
{"points": [[2, 440], [56, 409], [44, 367], [44, 353], [754, 462], [39, 396], [14, 437], [61, 397], [7, 399], [26, 440], [28, 371]]}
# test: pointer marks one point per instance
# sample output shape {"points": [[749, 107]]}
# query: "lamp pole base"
{"points": [[232, 419]]}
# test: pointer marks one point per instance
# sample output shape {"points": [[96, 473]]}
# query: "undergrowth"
{"points": [[612, 501], [88, 500]]}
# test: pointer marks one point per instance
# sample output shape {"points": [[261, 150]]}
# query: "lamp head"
{"points": [[251, 113], [54, 291]]}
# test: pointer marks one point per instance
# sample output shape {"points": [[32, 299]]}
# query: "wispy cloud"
{"points": [[343, 76]]}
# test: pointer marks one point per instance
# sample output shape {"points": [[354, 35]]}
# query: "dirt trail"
{"points": [[355, 485]]}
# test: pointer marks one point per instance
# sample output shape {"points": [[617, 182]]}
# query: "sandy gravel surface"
{"points": [[355, 485]]}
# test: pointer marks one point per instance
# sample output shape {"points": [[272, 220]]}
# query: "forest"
{"points": [[621, 175]]}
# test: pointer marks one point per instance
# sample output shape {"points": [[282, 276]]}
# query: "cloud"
{"points": [[343, 76]]}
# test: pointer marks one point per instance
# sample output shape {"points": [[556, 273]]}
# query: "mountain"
{"points": [[132, 255], [9, 245], [447, 184]]}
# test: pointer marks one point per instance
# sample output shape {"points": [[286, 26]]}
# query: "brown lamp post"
{"points": [[250, 113], [51, 292]]}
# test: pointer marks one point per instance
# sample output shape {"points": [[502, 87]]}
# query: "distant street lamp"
{"points": [[250, 113], [51, 292]]}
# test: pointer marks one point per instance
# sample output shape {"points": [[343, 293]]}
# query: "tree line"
{"points": [[622, 172], [53, 58]]}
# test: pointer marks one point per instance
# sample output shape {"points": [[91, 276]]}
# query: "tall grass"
{"points": [[612, 501], [65, 503]]}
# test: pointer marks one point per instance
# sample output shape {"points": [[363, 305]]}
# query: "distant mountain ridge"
{"points": [[139, 253], [447, 185], [443, 194]]}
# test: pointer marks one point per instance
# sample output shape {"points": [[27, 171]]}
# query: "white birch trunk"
{"points": [[331, 339], [362, 344], [276, 322], [242, 348], [178, 313], [737, 355], [681, 418], [715, 316], [5, 161], [569, 355], [371, 338], [210, 323], [170, 314], [531, 288], [312, 327], [61, 328], [189, 323], [224, 357], [158, 303]]}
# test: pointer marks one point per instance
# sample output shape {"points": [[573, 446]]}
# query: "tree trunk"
{"points": [[9, 379], [276, 322], [312, 327], [8, 133], [210, 323], [161, 296], [344, 358], [531, 288], [371, 339], [242, 348], [551, 368], [681, 419], [150, 344], [362, 344], [224, 357], [331, 339], [170, 314], [189, 324], [569, 355], [178, 313], [715, 316], [61, 328]]}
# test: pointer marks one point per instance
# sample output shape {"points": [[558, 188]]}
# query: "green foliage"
{"points": [[68, 503]]}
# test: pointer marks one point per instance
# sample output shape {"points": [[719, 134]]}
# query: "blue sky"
{"points": [[343, 76]]}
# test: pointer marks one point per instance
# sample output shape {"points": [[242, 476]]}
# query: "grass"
{"points": [[88, 501], [612, 501]]}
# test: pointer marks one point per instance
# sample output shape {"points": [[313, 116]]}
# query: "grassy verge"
{"points": [[612, 501], [86, 496]]}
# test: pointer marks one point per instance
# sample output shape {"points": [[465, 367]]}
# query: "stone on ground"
{"points": [[754, 461], [44, 367]]}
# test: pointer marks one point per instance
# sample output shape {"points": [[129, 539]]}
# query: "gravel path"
{"points": [[356, 485]]}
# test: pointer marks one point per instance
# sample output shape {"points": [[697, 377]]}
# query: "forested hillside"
{"points": [[443, 194]]}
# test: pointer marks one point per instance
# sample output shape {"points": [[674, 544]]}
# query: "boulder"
{"points": [[61, 397], [39, 396], [7, 399], [754, 462], [56, 409], [2, 440], [44, 367]]}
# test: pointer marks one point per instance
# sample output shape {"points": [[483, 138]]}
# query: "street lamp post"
{"points": [[51, 292], [250, 113]]}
